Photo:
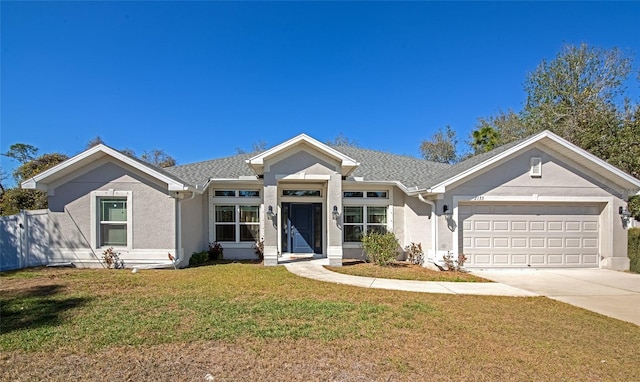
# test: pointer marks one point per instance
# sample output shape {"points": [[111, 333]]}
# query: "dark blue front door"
{"points": [[301, 228]]}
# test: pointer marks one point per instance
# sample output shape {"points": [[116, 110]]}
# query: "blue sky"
{"points": [[201, 79]]}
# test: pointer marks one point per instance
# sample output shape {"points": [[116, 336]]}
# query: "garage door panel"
{"points": [[529, 235], [518, 225], [501, 242], [554, 226], [556, 259], [500, 225], [536, 226], [482, 225], [554, 242], [519, 242], [536, 242], [519, 260], [590, 243], [573, 259], [590, 227]]}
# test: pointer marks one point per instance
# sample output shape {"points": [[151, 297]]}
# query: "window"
{"points": [[301, 193], [355, 224], [368, 194], [237, 223], [113, 222], [111, 214], [237, 193], [536, 167]]}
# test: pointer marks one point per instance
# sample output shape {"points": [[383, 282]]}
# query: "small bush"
{"points": [[633, 245], [415, 255], [198, 258], [453, 265], [382, 249], [215, 251], [112, 258], [258, 247]]}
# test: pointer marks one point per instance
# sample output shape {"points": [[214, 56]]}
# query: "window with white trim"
{"points": [[111, 214], [236, 215], [366, 194], [237, 223], [359, 220], [113, 222]]}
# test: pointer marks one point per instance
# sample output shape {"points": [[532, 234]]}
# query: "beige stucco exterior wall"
{"points": [[303, 167], [195, 226], [153, 217], [562, 181]]}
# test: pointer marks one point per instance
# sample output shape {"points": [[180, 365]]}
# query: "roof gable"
{"points": [[95, 153], [257, 163], [472, 166]]}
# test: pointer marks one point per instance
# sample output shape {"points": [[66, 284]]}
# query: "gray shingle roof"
{"points": [[469, 163], [381, 166], [199, 173], [374, 166]]}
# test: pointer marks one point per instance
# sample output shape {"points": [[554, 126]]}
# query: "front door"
{"points": [[302, 231]]}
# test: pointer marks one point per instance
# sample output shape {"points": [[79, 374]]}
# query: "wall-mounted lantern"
{"points": [[335, 213]]}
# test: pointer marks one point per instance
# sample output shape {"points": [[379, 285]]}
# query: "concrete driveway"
{"points": [[611, 293]]}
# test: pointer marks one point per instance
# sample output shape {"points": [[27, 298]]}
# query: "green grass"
{"points": [[250, 322]]}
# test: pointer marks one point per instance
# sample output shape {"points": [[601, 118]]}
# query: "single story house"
{"points": [[537, 202]]}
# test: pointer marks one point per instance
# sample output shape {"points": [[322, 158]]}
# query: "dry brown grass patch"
{"points": [[401, 270]]}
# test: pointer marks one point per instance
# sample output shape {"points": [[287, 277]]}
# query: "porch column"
{"points": [[271, 225], [334, 225]]}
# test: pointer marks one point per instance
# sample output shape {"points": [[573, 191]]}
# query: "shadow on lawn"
{"points": [[35, 307]]}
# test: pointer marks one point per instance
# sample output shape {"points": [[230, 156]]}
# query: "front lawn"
{"points": [[248, 322], [401, 271]]}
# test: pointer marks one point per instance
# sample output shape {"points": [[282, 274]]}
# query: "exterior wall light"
{"points": [[270, 213], [335, 213], [446, 211]]}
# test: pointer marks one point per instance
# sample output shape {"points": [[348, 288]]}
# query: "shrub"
{"points": [[198, 258], [414, 253], [453, 265], [382, 249], [633, 245], [112, 258], [215, 251], [258, 247]]}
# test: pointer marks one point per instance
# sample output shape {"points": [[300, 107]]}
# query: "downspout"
{"points": [[434, 228], [179, 227], [178, 233]]}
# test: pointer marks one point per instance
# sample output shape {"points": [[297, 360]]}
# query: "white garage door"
{"points": [[529, 235]]}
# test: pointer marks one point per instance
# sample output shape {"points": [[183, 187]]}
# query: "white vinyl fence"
{"points": [[24, 240]]}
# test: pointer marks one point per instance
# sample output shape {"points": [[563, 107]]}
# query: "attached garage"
{"points": [[530, 234]]}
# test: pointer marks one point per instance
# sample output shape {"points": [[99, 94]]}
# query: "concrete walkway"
{"points": [[315, 270], [613, 294]]}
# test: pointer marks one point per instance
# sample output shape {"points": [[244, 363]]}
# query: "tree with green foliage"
{"points": [[15, 199], [22, 152], [581, 96], [485, 139], [498, 130], [441, 147]]}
